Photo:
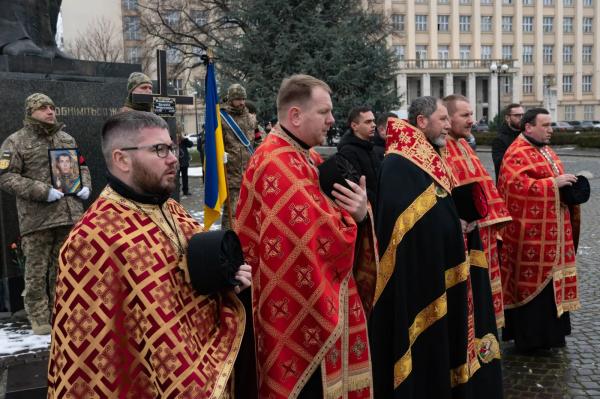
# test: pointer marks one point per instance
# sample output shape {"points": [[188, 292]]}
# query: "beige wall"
{"points": [[78, 15]]}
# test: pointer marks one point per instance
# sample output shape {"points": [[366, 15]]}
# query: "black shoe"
{"points": [[186, 193]]}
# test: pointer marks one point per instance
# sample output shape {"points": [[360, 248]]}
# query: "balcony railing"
{"points": [[454, 64]]}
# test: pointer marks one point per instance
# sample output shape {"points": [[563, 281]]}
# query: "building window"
{"points": [[506, 24], [527, 54], [442, 1], [588, 3], [133, 55], [568, 3], [548, 50], [547, 23], [486, 1], [568, 54], [569, 112], [443, 52], [548, 2], [399, 52], [506, 84], [176, 87], [507, 2], [132, 28], [131, 5], [421, 51], [465, 53], [421, 23], [527, 2], [567, 84], [527, 24], [586, 54], [568, 24], [588, 112], [486, 52], [443, 23], [486, 23], [464, 23], [200, 17], [586, 83], [527, 84], [172, 18], [465, 2], [507, 52], [173, 55], [398, 22], [587, 24]]}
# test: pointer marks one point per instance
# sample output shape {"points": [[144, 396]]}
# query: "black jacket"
{"points": [[503, 140], [361, 155], [379, 146], [184, 155]]}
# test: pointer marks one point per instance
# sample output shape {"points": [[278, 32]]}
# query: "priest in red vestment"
{"points": [[127, 321], [310, 285], [539, 276]]}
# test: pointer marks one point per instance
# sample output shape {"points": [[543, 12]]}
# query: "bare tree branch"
{"points": [[100, 42]]}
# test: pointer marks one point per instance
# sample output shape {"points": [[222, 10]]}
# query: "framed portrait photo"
{"points": [[64, 170]]}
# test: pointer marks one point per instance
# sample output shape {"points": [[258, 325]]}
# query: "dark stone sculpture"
{"points": [[28, 27]]}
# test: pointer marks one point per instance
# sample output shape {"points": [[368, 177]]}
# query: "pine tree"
{"points": [[334, 40]]}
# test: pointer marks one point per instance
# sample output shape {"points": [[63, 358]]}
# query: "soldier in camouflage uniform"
{"points": [[137, 83], [237, 154], [45, 214]]}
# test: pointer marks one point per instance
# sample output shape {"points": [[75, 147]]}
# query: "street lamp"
{"points": [[496, 70]]}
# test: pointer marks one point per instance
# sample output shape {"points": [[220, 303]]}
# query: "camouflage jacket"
{"points": [[25, 173], [237, 154]]}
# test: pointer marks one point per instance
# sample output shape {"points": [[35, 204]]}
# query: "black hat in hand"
{"points": [[336, 169], [577, 193], [213, 258]]}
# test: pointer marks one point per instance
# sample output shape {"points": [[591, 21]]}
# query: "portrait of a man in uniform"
{"points": [[64, 165]]}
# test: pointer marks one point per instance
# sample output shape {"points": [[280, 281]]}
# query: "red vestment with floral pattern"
{"points": [[306, 306], [127, 323], [467, 168], [538, 244]]}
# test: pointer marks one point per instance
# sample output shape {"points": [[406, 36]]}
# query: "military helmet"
{"points": [[37, 101], [136, 79], [236, 92]]}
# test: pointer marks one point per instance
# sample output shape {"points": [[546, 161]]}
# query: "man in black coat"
{"points": [[507, 133], [357, 148], [380, 134]]}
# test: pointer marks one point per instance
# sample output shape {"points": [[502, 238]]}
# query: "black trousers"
{"points": [[183, 171]]}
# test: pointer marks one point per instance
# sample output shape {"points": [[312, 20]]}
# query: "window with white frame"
{"points": [[134, 55], [443, 23], [527, 84], [568, 24], [443, 1], [507, 2], [527, 2], [486, 52], [200, 17], [486, 23], [568, 54], [527, 54], [548, 2], [421, 52], [588, 112], [586, 83], [172, 18], [399, 51], [586, 54], [568, 3], [588, 3], [506, 84], [486, 2], [587, 24], [548, 53], [465, 1], [567, 86], [131, 5], [569, 112], [528, 24], [465, 53], [464, 23], [507, 53], [443, 52], [398, 22], [506, 23], [547, 24], [421, 23], [132, 28]]}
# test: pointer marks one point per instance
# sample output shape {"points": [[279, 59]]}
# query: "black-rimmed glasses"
{"points": [[162, 150]]}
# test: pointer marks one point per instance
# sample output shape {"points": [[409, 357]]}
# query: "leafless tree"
{"points": [[100, 42]]}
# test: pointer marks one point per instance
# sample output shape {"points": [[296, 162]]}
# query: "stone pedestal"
{"points": [[86, 94]]}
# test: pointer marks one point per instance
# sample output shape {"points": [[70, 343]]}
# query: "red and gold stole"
{"points": [[301, 245], [538, 244], [467, 168], [127, 324]]}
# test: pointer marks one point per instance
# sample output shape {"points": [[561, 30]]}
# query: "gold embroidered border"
{"points": [[405, 222], [425, 319], [459, 375], [488, 348], [457, 274], [477, 258]]}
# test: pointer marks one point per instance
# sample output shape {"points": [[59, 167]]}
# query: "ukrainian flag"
{"points": [[215, 190]]}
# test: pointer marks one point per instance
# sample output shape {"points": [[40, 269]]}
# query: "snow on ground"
{"points": [[14, 338], [199, 216], [195, 171]]}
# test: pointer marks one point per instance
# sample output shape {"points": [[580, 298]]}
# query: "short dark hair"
{"points": [[355, 113], [123, 128], [531, 115], [383, 118], [451, 100], [510, 107], [425, 106]]}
